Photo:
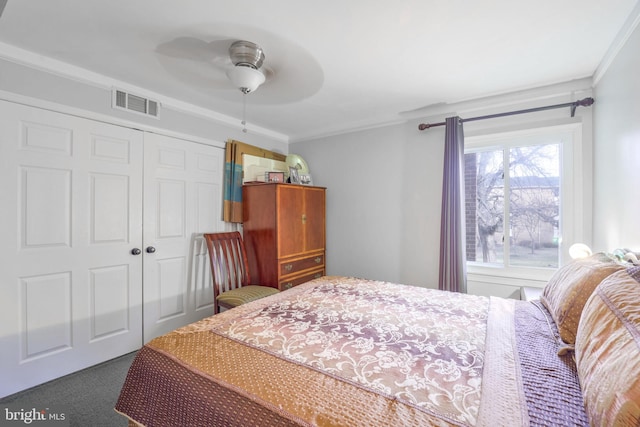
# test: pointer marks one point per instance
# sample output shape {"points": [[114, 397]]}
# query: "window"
{"points": [[517, 204]]}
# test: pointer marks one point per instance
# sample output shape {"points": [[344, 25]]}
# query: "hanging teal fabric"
{"points": [[233, 176], [232, 184]]}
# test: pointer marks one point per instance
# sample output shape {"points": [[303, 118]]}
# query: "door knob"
{"points": [[150, 249], [136, 251]]}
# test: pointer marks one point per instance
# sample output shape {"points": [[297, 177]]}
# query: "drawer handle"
{"points": [[287, 285], [317, 276], [318, 260], [288, 267], [304, 218]]}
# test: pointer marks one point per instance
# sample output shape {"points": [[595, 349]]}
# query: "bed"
{"points": [[343, 351]]}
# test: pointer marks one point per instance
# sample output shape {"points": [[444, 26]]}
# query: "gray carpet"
{"points": [[87, 396]]}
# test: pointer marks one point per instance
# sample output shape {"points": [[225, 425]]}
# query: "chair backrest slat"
{"points": [[229, 264]]}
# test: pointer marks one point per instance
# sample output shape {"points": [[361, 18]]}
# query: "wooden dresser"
{"points": [[284, 233]]}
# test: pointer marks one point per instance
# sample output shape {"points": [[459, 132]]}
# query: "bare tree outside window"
{"points": [[489, 204], [517, 205]]}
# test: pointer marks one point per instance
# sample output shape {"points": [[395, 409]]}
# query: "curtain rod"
{"points": [[586, 102]]}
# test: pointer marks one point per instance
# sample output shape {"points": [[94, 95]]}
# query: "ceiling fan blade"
{"points": [[197, 63], [215, 52], [3, 3]]}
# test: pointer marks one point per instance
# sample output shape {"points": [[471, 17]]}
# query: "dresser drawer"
{"points": [[293, 266], [295, 281]]}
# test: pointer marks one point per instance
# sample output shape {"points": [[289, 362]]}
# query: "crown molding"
{"points": [[538, 94], [630, 25], [349, 128], [81, 75], [28, 101]]}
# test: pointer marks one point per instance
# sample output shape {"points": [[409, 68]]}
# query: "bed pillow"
{"points": [[608, 351], [569, 288]]}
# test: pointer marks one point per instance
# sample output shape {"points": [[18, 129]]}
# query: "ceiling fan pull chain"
{"points": [[244, 112]]}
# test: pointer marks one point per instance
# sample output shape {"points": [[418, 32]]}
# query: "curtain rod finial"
{"points": [[585, 102], [425, 126]]}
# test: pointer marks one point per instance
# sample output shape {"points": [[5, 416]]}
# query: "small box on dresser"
{"points": [[284, 233]]}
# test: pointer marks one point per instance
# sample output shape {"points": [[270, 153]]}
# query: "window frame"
{"points": [[571, 193]]}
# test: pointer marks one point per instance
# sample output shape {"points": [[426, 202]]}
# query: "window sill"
{"points": [[505, 283], [516, 273]]}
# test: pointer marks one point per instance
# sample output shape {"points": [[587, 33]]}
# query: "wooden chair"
{"points": [[230, 272]]}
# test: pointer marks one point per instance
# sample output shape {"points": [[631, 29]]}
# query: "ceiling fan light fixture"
{"points": [[245, 78], [247, 58]]}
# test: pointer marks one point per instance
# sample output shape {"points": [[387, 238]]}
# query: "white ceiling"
{"points": [[332, 65]]}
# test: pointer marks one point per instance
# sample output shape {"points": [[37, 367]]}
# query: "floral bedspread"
{"points": [[422, 347], [340, 351]]}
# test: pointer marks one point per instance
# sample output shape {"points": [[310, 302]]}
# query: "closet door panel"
{"points": [[71, 291], [110, 288], [109, 217], [47, 322], [45, 207], [183, 200]]}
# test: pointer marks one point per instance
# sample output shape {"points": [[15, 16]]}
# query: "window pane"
{"points": [[484, 186], [534, 205]]}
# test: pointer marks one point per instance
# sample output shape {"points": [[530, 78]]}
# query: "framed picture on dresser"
{"points": [[275, 176], [294, 178], [305, 179]]}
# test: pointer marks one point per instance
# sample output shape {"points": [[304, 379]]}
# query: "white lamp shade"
{"points": [[245, 78], [579, 250]]}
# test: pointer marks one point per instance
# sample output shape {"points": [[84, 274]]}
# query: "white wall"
{"points": [[617, 151], [384, 184], [377, 223]]}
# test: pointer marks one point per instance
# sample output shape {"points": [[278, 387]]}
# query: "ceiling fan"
{"points": [[247, 58], [218, 65]]}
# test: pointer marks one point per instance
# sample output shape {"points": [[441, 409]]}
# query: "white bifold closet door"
{"points": [[75, 198], [182, 200]]}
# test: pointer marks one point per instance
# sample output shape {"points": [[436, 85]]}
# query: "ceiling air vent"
{"points": [[135, 103]]}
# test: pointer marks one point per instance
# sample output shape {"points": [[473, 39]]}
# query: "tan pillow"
{"points": [[569, 288], [608, 351]]}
